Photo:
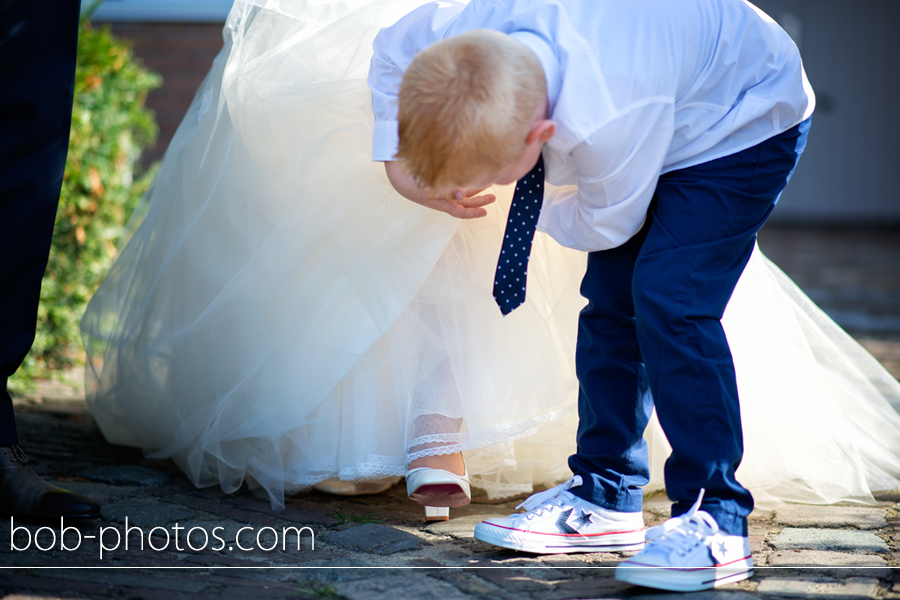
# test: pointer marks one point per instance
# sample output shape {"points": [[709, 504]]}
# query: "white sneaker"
{"points": [[688, 554], [558, 522]]}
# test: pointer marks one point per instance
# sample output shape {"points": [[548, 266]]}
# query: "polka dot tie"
{"points": [[509, 282]]}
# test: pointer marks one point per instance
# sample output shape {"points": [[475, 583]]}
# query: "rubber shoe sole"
{"points": [[675, 579], [559, 543]]}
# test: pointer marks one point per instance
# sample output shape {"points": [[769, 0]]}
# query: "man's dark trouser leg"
{"points": [[38, 42]]}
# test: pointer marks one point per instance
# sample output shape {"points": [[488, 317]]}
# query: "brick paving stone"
{"points": [[245, 539], [831, 564], [154, 594], [101, 492], [147, 513], [258, 520], [658, 506], [812, 588], [215, 534], [470, 583], [376, 538], [460, 527], [249, 508], [264, 575], [563, 561], [221, 560], [348, 562], [262, 591], [421, 562], [40, 560], [604, 559], [448, 554], [39, 584], [128, 475], [757, 533], [260, 557], [527, 581], [400, 587], [268, 584], [728, 592], [841, 540], [114, 578], [802, 515], [592, 584]]}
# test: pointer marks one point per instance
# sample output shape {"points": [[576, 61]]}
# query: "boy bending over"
{"points": [[678, 122]]}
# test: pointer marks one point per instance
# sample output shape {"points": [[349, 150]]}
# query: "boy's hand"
{"points": [[461, 204]]}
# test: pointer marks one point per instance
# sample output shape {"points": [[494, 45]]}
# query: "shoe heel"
{"points": [[437, 513]]}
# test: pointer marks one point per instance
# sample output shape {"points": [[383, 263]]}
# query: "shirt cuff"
{"points": [[385, 141]]}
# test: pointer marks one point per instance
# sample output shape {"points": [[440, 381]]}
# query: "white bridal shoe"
{"points": [[438, 490]]}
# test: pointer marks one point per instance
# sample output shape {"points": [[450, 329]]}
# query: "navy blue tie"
{"points": [[509, 282]]}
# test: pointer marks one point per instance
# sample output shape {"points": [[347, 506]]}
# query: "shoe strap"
{"points": [[535, 500]]}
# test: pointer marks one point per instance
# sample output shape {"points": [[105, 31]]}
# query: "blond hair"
{"points": [[467, 104]]}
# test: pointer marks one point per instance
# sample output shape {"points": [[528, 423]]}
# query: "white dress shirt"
{"points": [[636, 88]]}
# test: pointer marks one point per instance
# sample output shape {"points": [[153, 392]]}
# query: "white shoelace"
{"points": [[535, 504], [686, 531]]}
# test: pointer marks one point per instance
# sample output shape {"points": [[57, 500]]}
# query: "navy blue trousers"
{"points": [[38, 43], [651, 335]]}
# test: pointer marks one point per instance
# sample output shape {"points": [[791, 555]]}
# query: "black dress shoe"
{"points": [[25, 495]]}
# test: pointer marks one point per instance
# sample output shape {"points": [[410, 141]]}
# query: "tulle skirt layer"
{"points": [[280, 316]]}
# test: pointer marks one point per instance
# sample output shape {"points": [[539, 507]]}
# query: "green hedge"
{"points": [[101, 187]]}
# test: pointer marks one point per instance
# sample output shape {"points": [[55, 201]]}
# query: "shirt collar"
{"points": [[549, 62]]}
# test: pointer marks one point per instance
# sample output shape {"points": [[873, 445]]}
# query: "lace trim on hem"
{"points": [[503, 436]]}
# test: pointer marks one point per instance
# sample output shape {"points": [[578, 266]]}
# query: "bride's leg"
{"points": [[436, 471], [432, 426], [436, 477]]}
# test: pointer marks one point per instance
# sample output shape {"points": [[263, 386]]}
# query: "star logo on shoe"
{"points": [[718, 549], [562, 522]]}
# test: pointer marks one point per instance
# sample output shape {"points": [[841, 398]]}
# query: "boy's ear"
{"points": [[542, 131]]}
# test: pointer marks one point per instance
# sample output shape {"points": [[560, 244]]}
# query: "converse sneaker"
{"points": [[688, 554], [558, 522]]}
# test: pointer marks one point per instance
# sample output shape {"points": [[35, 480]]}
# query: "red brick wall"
{"points": [[182, 53]]}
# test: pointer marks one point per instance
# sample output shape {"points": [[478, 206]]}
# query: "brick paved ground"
{"points": [[377, 547]]}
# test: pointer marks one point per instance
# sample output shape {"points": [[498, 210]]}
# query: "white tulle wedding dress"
{"points": [[279, 316]]}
